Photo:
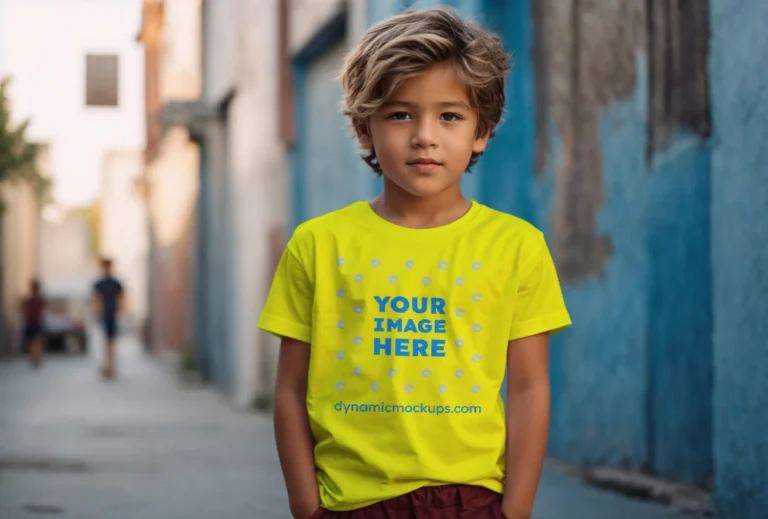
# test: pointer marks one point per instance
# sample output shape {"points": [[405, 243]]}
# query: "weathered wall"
{"points": [[258, 167], [627, 221], [740, 256], [307, 17], [19, 232], [172, 172]]}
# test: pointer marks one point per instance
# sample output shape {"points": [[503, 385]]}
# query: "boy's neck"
{"points": [[402, 208]]}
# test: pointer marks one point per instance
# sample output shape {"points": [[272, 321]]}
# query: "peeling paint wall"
{"points": [[622, 191], [587, 60]]}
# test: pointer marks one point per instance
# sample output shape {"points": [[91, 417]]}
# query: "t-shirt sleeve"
{"points": [[288, 310], [539, 306]]}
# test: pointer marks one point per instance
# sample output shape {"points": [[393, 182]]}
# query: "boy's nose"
{"points": [[425, 136]]}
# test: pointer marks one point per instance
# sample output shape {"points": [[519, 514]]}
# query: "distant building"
{"points": [[78, 77], [171, 36]]}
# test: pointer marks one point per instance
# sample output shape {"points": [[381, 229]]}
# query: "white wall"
{"points": [[123, 227], [181, 67], [307, 16], [258, 170], [43, 44], [66, 248], [222, 19]]}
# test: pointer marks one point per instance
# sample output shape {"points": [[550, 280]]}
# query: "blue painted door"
{"points": [[201, 336], [217, 260], [328, 171]]}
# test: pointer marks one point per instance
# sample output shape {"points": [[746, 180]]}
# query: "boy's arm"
{"points": [[295, 443], [528, 405]]}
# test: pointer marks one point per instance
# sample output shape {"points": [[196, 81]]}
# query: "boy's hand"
{"points": [[295, 443], [305, 511], [512, 511], [528, 408]]}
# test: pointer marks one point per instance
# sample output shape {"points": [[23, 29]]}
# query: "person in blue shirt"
{"points": [[108, 298]]}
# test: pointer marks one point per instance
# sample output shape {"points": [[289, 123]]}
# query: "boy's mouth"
{"points": [[424, 164]]}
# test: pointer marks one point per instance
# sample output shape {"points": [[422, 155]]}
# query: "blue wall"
{"points": [[740, 256], [327, 173], [632, 378], [215, 262]]}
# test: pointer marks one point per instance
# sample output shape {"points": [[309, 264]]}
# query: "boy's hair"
{"points": [[406, 45]]}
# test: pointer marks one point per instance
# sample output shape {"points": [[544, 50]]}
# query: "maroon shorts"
{"points": [[444, 502]]}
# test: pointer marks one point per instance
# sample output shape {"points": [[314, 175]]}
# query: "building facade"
{"points": [[171, 36]]}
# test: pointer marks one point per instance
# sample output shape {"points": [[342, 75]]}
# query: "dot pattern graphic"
{"points": [[426, 281]]}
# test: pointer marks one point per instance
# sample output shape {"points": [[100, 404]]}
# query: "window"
{"points": [[101, 80]]}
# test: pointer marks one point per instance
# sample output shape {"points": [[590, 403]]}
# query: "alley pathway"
{"points": [[146, 447]]}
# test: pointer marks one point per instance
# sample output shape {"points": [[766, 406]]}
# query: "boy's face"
{"points": [[425, 134]]}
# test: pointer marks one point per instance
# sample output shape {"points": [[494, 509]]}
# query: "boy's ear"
{"points": [[481, 141], [364, 137]]}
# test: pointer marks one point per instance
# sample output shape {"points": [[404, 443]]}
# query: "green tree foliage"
{"points": [[17, 156]]}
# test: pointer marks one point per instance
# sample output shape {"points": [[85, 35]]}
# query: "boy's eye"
{"points": [[399, 116], [450, 117]]}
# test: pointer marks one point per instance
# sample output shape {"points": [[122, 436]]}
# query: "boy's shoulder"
{"points": [[335, 221], [510, 223]]}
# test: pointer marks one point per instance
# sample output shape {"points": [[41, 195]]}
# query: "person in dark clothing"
{"points": [[32, 311], [108, 298]]}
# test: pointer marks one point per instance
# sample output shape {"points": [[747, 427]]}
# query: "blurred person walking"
{"points": [[32, 311], [108, 303]]}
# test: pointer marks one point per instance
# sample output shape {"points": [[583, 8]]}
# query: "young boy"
{"points": [[398, 317], [109, 296]]}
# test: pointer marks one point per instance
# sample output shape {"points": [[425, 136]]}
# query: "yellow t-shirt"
{"points": [[408, 331]]}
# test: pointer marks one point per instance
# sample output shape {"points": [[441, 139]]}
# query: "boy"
{"points": [[108, 301], [398, 317]]}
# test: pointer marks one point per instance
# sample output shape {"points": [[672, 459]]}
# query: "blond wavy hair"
{"points": [[409, 43]]}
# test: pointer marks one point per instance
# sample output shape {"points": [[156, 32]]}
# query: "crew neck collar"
{"points": [[381, 225]]}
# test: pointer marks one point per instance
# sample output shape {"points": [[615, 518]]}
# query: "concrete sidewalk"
{"points": [[144, 447]]}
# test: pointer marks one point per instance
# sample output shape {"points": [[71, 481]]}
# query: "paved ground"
{"points": [[145, 447]]}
